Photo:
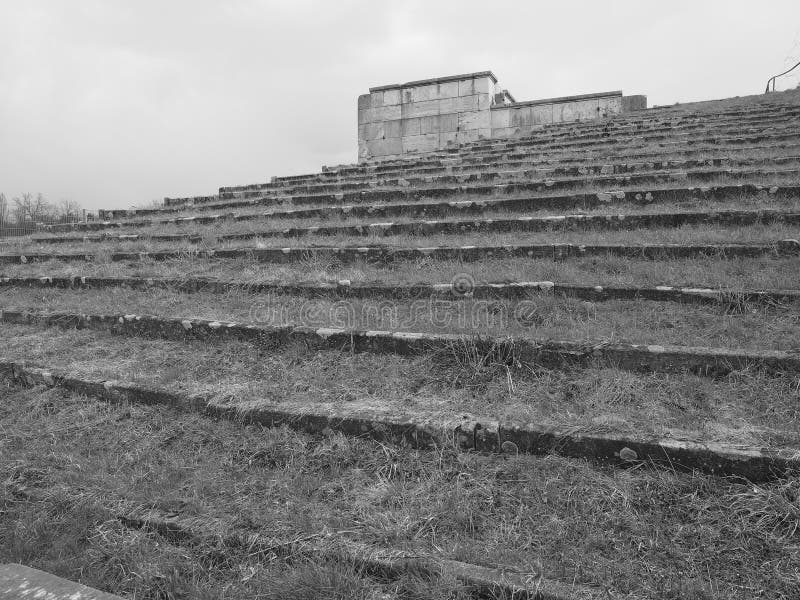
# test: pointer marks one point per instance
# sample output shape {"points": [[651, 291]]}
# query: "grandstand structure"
{"points": [[584, 333]]}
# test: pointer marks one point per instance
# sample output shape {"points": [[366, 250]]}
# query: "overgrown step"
{"points": [[471, 432], [472, 206], [701, 361], [385, 255], [524, 223], [461, 288]]}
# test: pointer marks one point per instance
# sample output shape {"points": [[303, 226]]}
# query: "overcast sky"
{"points": [[115, 103]]}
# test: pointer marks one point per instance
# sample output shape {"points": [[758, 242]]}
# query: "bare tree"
{"points": [[30, 208], [68, 208]]}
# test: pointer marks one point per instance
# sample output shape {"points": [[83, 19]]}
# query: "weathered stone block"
{"points": [[631, 103], [421, 143], [520, 116], [411, 126], [364, 102], [391, 97], [420, 109], [542, 114], [429, 125], [422, 93], [384, 147], [471, 135], [574, 111], [460, 104], [479, 119], [501, 118], [448, 89], [466, 87], [381, 113], [447, 138], [609, 106], [483, 85], [503, 132], [392, 128]]}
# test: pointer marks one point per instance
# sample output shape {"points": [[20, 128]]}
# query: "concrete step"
{"points": [[469, 433], [732, 218], [479, 206], [454, 291], [668, 143], [388, 254], [507, 184]]}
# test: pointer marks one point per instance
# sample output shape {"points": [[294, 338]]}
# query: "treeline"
{"points": [[30, 208]]}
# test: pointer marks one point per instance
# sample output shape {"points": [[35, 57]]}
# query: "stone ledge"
{"points": [[346, 288], [18, 582], [468, 432], [560, 99], [701, 361], [419, 82]]}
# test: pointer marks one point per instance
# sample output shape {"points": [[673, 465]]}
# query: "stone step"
{"points": [[570, 164], [531, 351], [388, 254], [619, 221], [18, 582], [580, 201], [486, 187], [469, 432], [461, 289], [559, 177], [665, 143]]}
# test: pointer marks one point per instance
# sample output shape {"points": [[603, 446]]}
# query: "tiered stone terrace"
{"points": [[624, 290]]}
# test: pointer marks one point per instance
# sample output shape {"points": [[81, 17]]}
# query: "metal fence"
{"points": [[15, 228]]}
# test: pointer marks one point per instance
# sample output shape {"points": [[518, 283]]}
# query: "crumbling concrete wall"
{"points": [[433, 114]]}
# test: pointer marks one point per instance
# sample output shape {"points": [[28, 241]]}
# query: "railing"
{"points": [[11, 227], [772, 79]]}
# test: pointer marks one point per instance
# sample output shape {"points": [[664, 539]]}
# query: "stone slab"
{"points": [[421, 143], [18, 582], [500, 118], [477, 119], [425, 108], [446, 79]]}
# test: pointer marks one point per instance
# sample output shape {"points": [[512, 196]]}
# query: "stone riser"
{"points": [[519, 146], [478, 433], [386, 255], [510, 186], [700, 361], [608, 222], [517, 187], [737, 141], [726, 138], [347, 289], [464, 207], [510, 171]]}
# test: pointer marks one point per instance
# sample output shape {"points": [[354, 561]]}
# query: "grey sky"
{"points": [[112, 104]]}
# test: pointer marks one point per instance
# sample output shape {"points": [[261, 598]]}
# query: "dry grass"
{"points": [[687, 234], [648, 533], [742, 408], [270, 226], [734, 274]]}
